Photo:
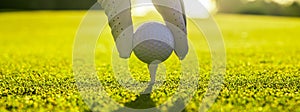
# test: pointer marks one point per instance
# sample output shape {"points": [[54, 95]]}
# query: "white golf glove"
{"points": [[120, 22], [173, 13]]}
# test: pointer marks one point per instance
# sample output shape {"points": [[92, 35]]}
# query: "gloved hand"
{"points": [[120, 22]]}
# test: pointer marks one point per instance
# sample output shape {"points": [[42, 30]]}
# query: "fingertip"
{"points": [[124, 56], [181, 57]]}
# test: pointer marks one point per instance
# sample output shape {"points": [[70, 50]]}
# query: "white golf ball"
{"points": [[153, 42]]}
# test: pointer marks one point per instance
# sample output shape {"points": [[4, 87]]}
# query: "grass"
{"points": [[263, 69]]}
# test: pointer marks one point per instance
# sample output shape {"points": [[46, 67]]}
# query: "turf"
{"points": [[263, 69]]}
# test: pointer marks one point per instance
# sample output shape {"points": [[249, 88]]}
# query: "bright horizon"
{"points": [[192, 8]]}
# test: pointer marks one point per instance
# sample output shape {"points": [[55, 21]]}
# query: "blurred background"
{"points": [[261, 7], [261, 39]]}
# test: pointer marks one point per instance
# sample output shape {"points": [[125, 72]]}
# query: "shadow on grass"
{"points": [[143, 101]]}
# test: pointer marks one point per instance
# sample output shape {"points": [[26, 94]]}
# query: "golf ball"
{"points": [[153, 42]]}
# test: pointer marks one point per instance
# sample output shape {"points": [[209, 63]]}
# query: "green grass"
{"points": [[263, 69]]}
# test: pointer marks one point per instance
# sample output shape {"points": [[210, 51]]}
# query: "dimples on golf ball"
{"points": [[153, 42]]}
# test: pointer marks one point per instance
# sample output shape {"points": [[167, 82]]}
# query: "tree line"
{"points": [[261, 7], [46, 4], [224, 6]]}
